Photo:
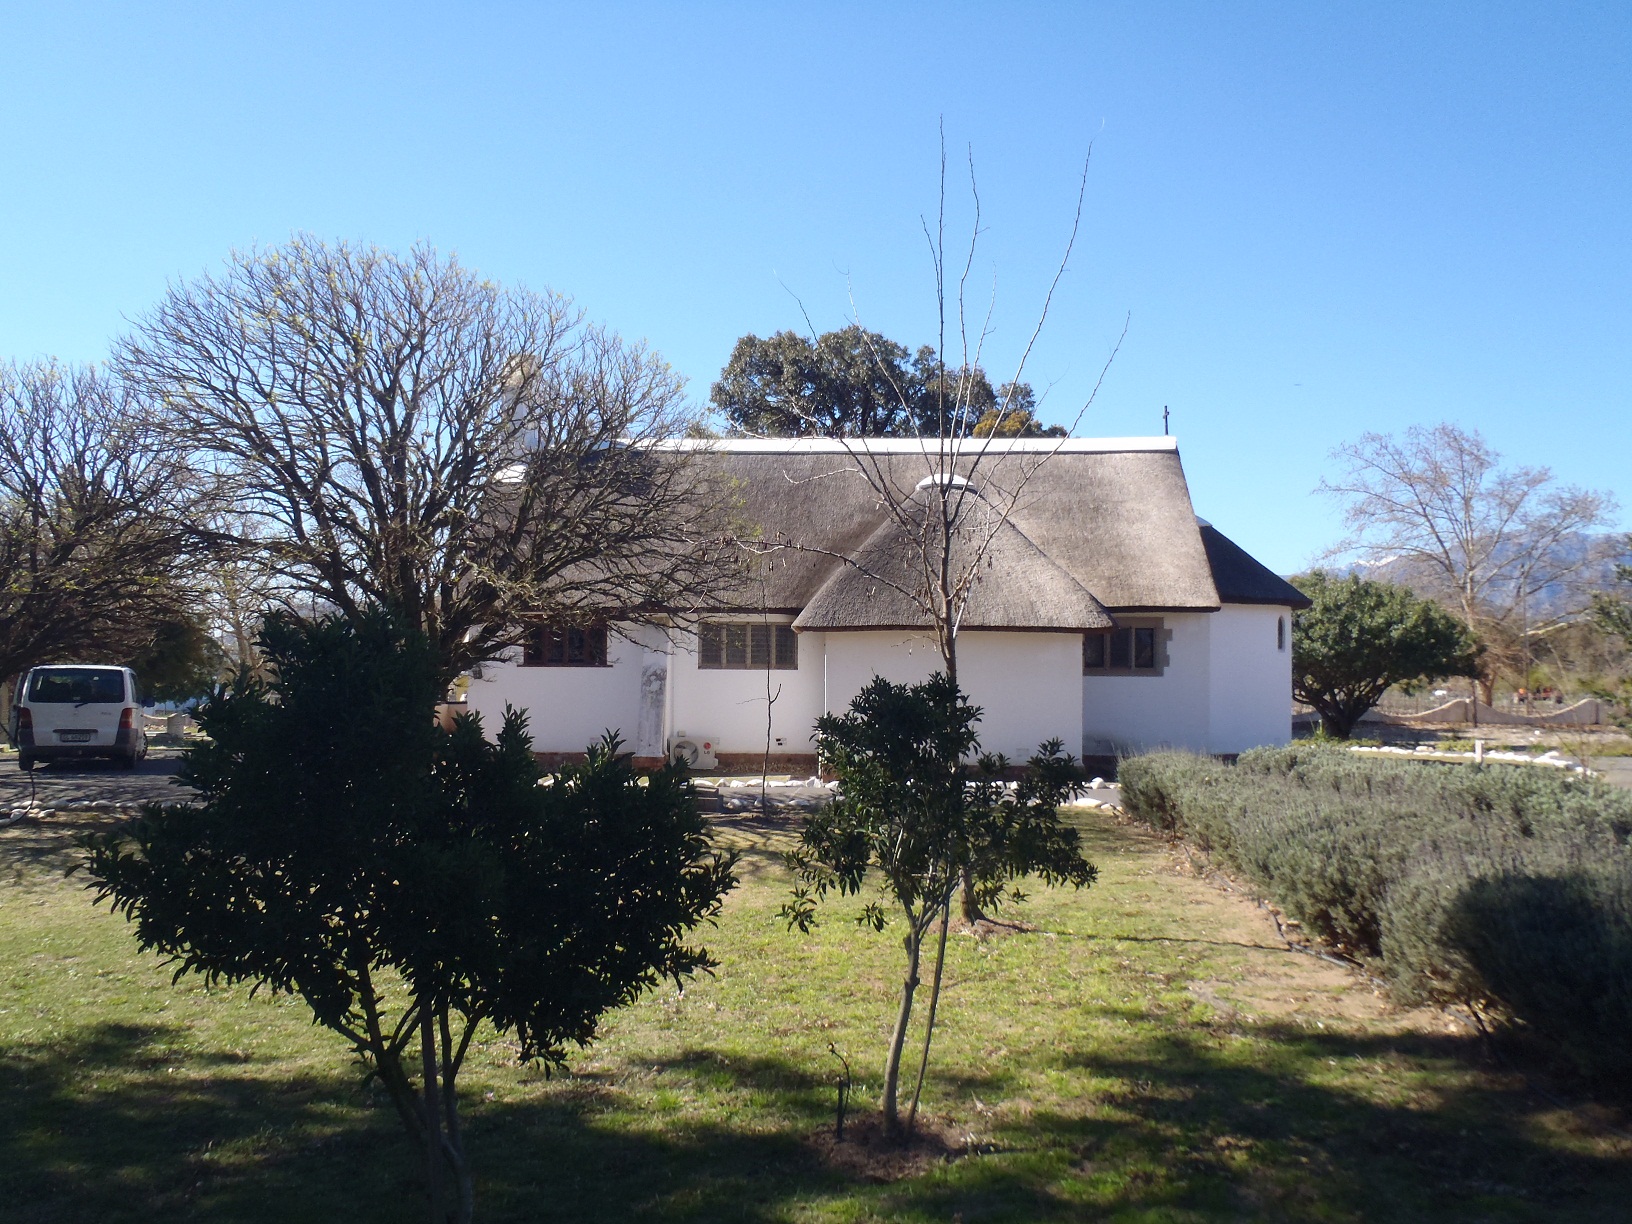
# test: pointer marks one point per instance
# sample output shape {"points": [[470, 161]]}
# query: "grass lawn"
{"points": [[1150, 1052]]}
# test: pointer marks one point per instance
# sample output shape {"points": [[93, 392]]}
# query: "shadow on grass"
{"points": [[1182, 1129], [760, 839], [1113, 937], [1291, 1135], [34, 848], [117, 1123], [121, 1122]]}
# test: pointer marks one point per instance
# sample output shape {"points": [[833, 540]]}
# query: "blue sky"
{"points": [[1316, 219]]}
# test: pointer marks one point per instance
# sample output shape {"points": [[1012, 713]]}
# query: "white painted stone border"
{"points": [[1422, 752]]}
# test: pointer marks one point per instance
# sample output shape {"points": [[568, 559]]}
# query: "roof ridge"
{"points": [[958, 448]]}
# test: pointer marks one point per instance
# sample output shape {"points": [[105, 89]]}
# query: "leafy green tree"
{"points": [[856, 383], [1358, 638], [910, 814], [1015, 416], [846, 383], [412, 884]]}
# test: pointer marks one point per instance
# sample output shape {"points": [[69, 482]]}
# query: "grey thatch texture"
{"points": [[1115, 520], [1241, 578], [1010, 582]]}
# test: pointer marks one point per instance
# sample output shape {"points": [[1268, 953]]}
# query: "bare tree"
{"points": [[1507, 547], [397, 430], [97, 537], [951, 498], [947, 502], [240, 586]]}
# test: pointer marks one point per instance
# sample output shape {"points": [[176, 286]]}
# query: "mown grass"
{"points": [[1150, 1052]]}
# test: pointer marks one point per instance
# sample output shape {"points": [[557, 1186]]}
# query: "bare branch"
{"points": [[395, 429]]}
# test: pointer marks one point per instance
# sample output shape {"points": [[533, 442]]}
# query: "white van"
{"points": [[70, 710]]}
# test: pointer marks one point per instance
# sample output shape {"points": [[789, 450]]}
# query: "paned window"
{"points": [[550, 646], [746, 645], [1131, 649]]}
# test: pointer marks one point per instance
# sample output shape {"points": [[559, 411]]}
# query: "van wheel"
{"points": [[129, 762], [25, 761]]}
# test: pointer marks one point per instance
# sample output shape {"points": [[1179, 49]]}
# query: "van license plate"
{"points": [[74, 737]]}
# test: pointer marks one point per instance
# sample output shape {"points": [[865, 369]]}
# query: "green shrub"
{"points": [[1557, 951], [1408, 865]]}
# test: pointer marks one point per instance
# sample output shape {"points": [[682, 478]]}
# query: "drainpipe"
{"points": [[666, 732], [827, 707]]}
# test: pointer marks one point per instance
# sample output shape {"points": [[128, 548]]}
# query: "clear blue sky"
{"points": [[1316, 218]]}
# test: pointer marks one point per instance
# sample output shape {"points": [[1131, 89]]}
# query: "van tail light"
{"points": [[25, 718], [127, 718]]}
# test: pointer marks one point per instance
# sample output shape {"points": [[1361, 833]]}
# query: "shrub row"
{"points": [[1494, 885]]}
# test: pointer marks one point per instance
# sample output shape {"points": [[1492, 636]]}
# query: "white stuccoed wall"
{"points": [[647, 696], [1123, 714], [1226, 688], [1027, 684], [727, 707], [1251, 699], [570, 707]]}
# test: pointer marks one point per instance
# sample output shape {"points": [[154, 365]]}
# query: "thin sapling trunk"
{"points": [[431, 1108], [929, 1021], [898, 1039], [439, 1106]]}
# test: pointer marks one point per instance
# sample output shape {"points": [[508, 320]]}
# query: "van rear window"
{"points": [[75, 685]]}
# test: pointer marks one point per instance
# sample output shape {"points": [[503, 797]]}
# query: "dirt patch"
{"points": [[866, 1155], [988, 928]]}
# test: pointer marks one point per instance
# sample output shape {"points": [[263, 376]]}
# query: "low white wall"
{"points": [[1251, 698], [1125, 714], [727, 706], [1025, 683]]}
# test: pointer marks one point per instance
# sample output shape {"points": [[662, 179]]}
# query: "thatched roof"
{"points": [[1010, 582], [1093, 525], [1241, 578]]}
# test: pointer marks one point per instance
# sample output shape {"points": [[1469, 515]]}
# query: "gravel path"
{"points": [[64, 784]]}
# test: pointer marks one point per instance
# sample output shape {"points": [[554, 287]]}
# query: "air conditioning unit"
{"points": [[694, 752]]}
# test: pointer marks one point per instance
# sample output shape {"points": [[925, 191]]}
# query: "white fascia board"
{"points": [[918, 446]]}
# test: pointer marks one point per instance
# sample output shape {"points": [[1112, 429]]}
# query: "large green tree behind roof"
{"points": [[855, 383]]}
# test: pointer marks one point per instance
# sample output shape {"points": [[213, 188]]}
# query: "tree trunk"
{"points": [[929, 1020], [972, 913], [1336, 725], [431, 1091], [463, 1184], [898, 1039]]}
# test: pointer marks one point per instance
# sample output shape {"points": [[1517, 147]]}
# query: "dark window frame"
{"points": [[747, 646], [1137, 646], [566, 646]]}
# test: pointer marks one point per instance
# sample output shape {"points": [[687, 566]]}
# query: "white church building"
{"points": [[1104, 613]]}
